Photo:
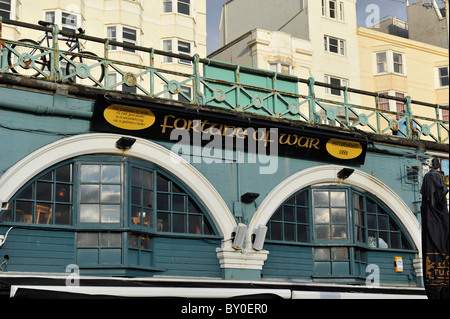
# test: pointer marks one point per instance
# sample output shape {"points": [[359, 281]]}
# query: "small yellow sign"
{"points": [[128, 117], [343, 149]]}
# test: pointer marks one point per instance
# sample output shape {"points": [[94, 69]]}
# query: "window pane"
{"points": [[337, 199], [289, 213], [338, 215], [133, 240], [145, 242], [164, 222], [275, 231], [289, 232], [163, 183], [179, 203], [63, 214], [87, 239], [110, 174], [339, 232], [136, 215], [339, 253], [302, 233], [147, 199], [321, 199], [195, 224], [90, 193], [147, 179], [111, 239], [110, 194], [24, 212], [136, 176], [28, 193], [136, 196], [110, 214], [90, 173], [163, 202], [302, 215], [179, 223], [322, 215], [301, 199], [323, 232], [89, 213], [382, 222], [64, 173], [44, 213], [322, 254], [44, 191], [129, 34], [183, 6], [167, 6], [63, 193]]}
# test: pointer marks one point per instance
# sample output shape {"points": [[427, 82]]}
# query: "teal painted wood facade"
{"points": [[27, 124]]}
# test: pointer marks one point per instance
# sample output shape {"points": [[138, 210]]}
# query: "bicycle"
{"points": [[30, 60]]}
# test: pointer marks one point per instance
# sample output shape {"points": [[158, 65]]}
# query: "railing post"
{"points": [[152, 72], [54, 63], [409, 118], [198, 99], [312, 101], [106, 55]]}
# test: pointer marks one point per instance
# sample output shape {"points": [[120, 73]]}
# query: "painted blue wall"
{"points": [[51, 251]]}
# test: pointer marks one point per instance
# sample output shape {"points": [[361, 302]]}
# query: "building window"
{"points": [[5, 9], [332, 261], [330, 215], [182, 6], [398, 63], [334, 45], [322, 216], [381, 62], [383, 103], [291, 222], [122, 34], [333, 10], [445, 114], [443, 76], [280, 67], [100, 193], [99, 248], [67, 21], [47, 200], [335, 82], [182, 47], [389, 62]]}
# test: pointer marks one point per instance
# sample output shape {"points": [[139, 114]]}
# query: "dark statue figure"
{"points": [[435, 233]]}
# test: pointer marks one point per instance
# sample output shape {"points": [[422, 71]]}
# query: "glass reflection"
{"points": [[111, 174], [90, 173]]}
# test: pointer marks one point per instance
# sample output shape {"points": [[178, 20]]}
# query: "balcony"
{"points": [[211, 83]]}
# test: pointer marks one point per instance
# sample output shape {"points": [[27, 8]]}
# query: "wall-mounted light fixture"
{"points": [[345, 173], [248, 198], [125, 143]]}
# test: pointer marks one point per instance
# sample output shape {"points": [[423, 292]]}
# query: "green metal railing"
{"points": [[207, 82]]}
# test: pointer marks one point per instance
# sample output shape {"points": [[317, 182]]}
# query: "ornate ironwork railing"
{"points": [[207, 82]]}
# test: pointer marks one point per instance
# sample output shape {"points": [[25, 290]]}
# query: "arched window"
{"points": [[115, 206], [109, 192], [341, 224]]}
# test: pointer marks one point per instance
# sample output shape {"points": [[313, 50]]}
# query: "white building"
{"points": [[303, 38]]}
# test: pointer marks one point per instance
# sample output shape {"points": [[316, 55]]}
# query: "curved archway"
{"points": [[51, 154], [327, 174]]}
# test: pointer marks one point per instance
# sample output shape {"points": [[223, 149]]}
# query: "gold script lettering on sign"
{"points": [[128, 117], [343, 149]]}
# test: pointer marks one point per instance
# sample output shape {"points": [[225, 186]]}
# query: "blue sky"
{"points": [[387, 7]]}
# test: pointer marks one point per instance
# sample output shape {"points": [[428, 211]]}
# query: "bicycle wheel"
{"points": [[27, 60], [88, 69]]}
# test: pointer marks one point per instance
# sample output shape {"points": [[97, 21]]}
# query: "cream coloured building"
{"points": [[403, 67], [178, 26]]}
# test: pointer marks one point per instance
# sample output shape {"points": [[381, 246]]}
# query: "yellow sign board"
{"points": [[128, 117], [344, 149]]}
